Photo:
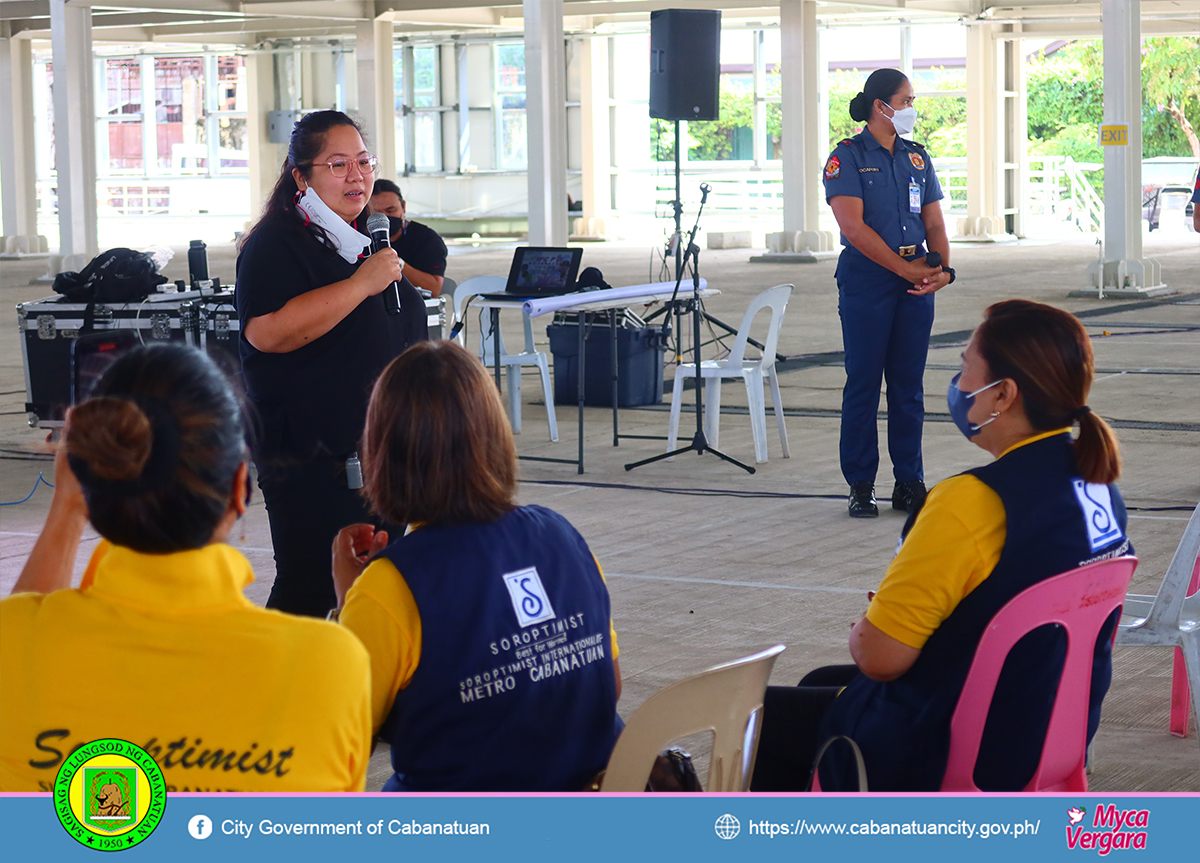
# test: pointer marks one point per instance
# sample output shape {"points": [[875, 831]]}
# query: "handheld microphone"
{"points": [[704, 190], [377, 227], [933, 259]]}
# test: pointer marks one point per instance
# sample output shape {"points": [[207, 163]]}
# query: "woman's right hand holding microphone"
{"points": [[378, 271]]}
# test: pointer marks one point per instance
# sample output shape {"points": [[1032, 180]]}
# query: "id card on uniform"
{"points": [[914, 197]]}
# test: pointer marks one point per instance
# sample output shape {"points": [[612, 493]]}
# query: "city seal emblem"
{"points": [[917, 161], [110, 795]]}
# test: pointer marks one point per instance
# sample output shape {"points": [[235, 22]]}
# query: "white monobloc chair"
{"points": [[1171, 618], [726, 701], [511, 363], [754, 372]]}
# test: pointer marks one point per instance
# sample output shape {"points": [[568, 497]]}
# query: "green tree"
{"points": [[935, 115], [1171, 84]]}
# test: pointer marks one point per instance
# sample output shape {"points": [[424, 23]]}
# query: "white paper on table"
{"points": [[544, 305]]}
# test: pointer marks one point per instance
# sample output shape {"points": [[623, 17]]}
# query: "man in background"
{"points": [[420, 247]]}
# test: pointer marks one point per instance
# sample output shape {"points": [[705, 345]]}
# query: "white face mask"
{"points": [[350, 243], [903, 120]]}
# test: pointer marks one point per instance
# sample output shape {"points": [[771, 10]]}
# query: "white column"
{"points": [[383, 142], [18, 174], [149, 118], [760, 107], [597, 159], [462, 72], [802, 143], [266, 159], [546, 118], [1123, 261], [364, 63], [906, 58], [985, 135], [74, 132]]}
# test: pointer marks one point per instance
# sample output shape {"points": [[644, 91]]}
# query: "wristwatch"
{"points": [[949, 270]]}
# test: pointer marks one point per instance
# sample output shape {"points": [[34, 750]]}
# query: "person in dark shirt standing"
{"points": [[315, 334], [419, 246]]}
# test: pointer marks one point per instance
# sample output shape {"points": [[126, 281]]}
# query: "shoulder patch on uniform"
{"points": [[917, 144], [845, 140], [917, 161], [833, 168]]}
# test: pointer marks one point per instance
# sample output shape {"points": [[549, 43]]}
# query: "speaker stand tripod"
{"points": [[699, 444]]}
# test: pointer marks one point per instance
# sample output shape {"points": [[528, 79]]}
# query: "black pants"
{"points": [[307, 505], [791, 721]]}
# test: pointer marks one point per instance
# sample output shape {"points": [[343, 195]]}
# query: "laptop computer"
{"points": [[540, 271]]}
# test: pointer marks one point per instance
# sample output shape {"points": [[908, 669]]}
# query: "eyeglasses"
{"points": [[340, 168]]}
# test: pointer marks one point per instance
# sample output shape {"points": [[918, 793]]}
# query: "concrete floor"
{"points": [[706, 563]]}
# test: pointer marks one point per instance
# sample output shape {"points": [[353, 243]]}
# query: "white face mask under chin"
{"points": [[904, 120], [350, 243]]}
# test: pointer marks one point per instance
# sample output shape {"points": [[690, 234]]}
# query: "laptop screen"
{"points": [[538, 271]]}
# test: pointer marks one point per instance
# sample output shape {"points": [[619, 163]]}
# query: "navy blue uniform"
{"points": [[515, 689], [885, 330], [1054, 522]]}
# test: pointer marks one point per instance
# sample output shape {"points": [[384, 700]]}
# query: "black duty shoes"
{"points": [[908, 496], [862, 500]]}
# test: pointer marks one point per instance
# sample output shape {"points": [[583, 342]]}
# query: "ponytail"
{"points": [[1048, 354], [1097, 455], [882, 84]]}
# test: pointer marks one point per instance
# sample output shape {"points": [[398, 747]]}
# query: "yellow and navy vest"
{"points": [[1055, 522], [515, 689]]}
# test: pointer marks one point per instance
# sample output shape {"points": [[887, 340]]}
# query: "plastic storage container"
{"points": [[639, 362]]}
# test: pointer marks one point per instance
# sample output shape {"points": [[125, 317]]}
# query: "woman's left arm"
{"points": [[52, 561], [877, 654]]}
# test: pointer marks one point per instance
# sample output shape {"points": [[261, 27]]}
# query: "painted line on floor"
{"points": [[819, 588]]}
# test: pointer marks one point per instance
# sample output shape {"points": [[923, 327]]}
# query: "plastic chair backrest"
{"points": [[777, 298], [1173, 603], [449, 286], [1079, 601], [469, 288], [725, 700]]}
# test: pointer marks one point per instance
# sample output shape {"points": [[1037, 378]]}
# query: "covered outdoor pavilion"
{"points": [[308, 54], [703, 563]]}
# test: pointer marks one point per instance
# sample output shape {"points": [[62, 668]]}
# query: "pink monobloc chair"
{"points": [[1079, 601]]}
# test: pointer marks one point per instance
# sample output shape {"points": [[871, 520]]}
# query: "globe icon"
{"points": [[727, 826]]}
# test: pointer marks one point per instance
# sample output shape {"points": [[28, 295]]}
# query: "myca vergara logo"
{"points": [[1111, 829], [110, 794]]}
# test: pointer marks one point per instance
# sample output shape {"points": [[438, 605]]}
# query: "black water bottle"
{"points": [[197, 261]]}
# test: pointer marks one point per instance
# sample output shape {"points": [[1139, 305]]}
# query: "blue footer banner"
{"points": [[586, 827]]}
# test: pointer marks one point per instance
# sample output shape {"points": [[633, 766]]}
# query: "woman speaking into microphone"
{"points": [[315, 334], [886, 199]]}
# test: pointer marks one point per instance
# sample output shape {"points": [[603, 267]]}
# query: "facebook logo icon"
{"points": [[200, 826]]}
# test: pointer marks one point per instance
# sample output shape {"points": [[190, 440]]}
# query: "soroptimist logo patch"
{"points": [[109, 794]]}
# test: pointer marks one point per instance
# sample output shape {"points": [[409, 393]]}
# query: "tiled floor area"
{"points": [[706, 563]]}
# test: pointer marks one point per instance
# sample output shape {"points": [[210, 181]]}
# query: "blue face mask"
{"points": [[960, 405]]}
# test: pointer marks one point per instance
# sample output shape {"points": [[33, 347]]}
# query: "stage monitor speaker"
{"points": [[685, 64]]}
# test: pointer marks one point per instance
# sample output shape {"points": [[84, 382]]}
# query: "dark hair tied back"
{"points": [[882, 84], [132, 442], [157, 449], [306, 143]]}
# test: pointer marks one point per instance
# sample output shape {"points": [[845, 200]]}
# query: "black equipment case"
{"points": [[205, 319]]}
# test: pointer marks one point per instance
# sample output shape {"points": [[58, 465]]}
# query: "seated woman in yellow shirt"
{"points": [[159, 646], [1046, 505], [493, 659]]}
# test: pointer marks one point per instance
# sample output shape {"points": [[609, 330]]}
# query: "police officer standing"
{"points": [[885, 195]]}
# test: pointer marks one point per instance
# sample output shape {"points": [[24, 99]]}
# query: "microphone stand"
{"points": [[699, 443]]}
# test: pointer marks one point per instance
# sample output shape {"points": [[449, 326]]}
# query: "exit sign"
{"points": [[1114, 136]]}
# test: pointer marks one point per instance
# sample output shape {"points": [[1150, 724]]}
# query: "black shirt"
{"points": [[420, 246], [312, 401]]}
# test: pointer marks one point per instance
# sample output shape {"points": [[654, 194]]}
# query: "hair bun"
{"points": [[112, 436], [860, 107]]}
